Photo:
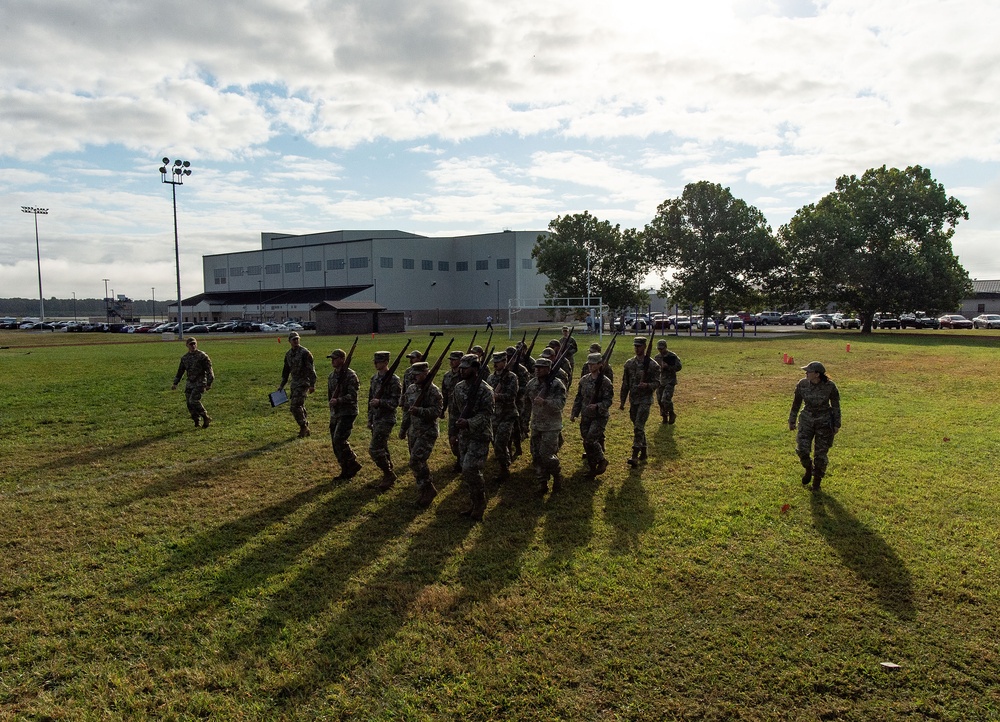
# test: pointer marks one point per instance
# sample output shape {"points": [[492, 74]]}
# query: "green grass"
{"points": [[152, 570]]}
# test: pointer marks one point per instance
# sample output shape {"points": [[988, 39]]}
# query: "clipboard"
{"points": [[278, 397]]}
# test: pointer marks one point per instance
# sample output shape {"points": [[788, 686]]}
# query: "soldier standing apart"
{"points": [[639, 382], [198, 367], [448, 383], [594, 396], [384, 394], [819, 421], [299, 365], [423, 404], [669, 364], [342, 386], [472, 407], [548, 397], [505, 386]]}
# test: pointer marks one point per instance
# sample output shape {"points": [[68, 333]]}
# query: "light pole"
{"points": [[107, 308], [74, 306], [175, 177], [38, 253], [154, 305]]}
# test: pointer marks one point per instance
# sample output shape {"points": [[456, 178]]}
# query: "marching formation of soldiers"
{"points": [[522, 399]]}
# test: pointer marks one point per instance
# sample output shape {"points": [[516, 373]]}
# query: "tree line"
{"points": [[81, 307], [878, 242]]}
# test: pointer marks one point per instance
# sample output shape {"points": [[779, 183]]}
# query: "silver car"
{"points": [[986, 320], [817, 323]]}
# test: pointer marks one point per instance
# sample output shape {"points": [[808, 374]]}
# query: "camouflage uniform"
{"points": [[200, 376], [343, 402], [548, 397], [422, 404], [817, 424], [472, 403], [669, 364], [448, 383], [594, 397], [382, 418], [299, 365], [409, 376], [639, 381], [505, 418]]}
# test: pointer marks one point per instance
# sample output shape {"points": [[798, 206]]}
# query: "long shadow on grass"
{"points": [[629, 512], [103, 452], [379, 609], [569, 518], [866, 554], [664, 445]]}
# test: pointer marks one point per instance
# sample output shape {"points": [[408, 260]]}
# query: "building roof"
{"points": [[986, 286], [272, 296], [348, 306]]}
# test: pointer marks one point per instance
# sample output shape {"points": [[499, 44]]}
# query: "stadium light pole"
{"points": [[107, 302], [174, 176], [38, 253]]}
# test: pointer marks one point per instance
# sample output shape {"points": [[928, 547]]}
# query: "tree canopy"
{"points": [[881, 242], [617, 261], [719, 249]]}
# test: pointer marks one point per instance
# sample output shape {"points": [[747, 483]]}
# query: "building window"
{"points": [[235, 272], [220, 276], [253, 270], [503, 264], [385, 262], [272, 268], [527, 264], [359, 262], [461, 265], [427, 265], [443, 265], [981, 308], [314, 265], [408, 264], [293, 267], [483, 265], [335, 264]]}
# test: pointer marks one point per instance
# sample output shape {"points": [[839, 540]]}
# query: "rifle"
{"points": [[563, 350], [488, 342], [533, 339], [391, 371], [434, 335], [342, 375], [431, 374], [473, 341], [646, 359], [474, 393]]}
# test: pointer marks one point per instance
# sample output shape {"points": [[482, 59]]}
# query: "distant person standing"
{"points": [[818, 423], [669, 364], [489, 323], [300, 367], [639, 382], [198, 367], [342, 396]]}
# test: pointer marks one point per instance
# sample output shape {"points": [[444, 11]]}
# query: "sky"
{"points": [[444, 117]]}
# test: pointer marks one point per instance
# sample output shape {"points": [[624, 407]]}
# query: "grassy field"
{"points": [[151, 570]]}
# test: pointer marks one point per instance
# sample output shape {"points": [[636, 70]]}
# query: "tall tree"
{"points": [[718, 249], [617, 262], [881, 242]]}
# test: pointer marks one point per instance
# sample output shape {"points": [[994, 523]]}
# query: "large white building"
{"points": [[456, 279]]}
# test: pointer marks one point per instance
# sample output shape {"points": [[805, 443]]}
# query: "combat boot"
{"points": [[504, 474], [543, 485], [807, 477], [304, 430], [351, 470], [634, 460], [601, 467], [388, 480], [671, 417], [478, 503], [205, 420], [427, 494], [196, 419], [557, 480], [642, 454], [817, 478]]}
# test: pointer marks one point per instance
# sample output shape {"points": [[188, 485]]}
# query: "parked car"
{"points": [[660, 320], [816, 322], [986, 320], [884, 320], [681, 322], [767, 318], [735, 321], [954, 320], [841, 320], [918, 320], [704, 324], [198, 328], [791, 319]]}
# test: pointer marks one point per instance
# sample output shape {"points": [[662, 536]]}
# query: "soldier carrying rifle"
{"points": [[639, 382], [342, 397]]}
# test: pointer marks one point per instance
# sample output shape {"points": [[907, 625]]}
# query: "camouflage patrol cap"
{"points": [[543, 363], [293, 334], [469, 360], [477, 349], [639, 341], [594, 358], [662, 343], [815, 367], [547, 353], [499, 356], [554, 343], [191, 340], [595, 347], [337, 353], [420, 367], [510, 350], [382, 357], [414, 354], [456, 355]]}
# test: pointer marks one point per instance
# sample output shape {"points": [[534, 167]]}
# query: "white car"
{"points": [[986, 320], [705, 324], [817, 323]]}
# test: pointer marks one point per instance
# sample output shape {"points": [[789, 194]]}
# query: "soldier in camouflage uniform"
{"points": [[818, 423], [548, 397], [639, 382], [569, 341], [561, 371], [200, 376], [342, 387], [605, 368], [669, 364], [505, 386], [472, 407], [523, 377], [422, 404], [448, 383], [299, 365], [408, 376], [594, 396], [384, 393]]}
